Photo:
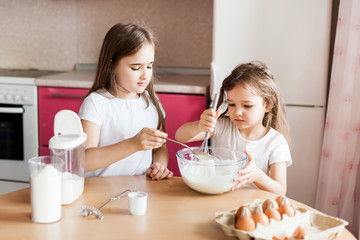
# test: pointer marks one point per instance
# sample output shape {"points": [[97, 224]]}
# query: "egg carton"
{"points": [[319, 226]]}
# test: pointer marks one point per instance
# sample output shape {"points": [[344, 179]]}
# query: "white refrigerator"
{"points": [[292, 37]]}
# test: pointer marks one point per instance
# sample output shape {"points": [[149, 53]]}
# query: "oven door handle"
{"points": [[11, 110], [66, 95]]}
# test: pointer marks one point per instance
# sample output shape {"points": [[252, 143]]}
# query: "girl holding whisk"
{"points": [[254, 121]]}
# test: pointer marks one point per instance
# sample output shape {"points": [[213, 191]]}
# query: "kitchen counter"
{"points": [[25, 73], [165, 83], [174, 212]]}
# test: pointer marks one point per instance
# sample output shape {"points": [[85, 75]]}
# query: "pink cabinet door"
{"points": [[52, 100], [44, 151], [179, 110]]}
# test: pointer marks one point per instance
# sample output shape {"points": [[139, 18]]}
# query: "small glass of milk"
{"points": [[45, 188]]}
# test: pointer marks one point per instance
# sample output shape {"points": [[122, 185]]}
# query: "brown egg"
{"points": [[260, 217], [279, 199], [240, 210], [300, 232], [273, 213], [270, 202], [286, 209], [282, 200], [245, 223]]}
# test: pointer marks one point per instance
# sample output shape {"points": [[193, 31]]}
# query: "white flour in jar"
{"points": [[46, 195], [72, 187]]}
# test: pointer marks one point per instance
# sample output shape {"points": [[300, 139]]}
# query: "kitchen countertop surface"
{"points": [[165, 83], [174, 212], [25, 73]]}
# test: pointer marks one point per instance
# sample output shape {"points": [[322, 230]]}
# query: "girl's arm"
{"points": [[195, 131], [158, 169], [190, 132], [275, 183], [100, 157]]}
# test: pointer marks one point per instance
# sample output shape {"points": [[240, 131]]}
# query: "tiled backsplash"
{"points": [[55, 35]]}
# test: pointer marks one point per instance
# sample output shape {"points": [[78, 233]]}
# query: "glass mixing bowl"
{"points": [[213, 175]]}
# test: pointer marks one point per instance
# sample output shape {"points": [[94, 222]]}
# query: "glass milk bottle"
{"points": [[68, 143]]}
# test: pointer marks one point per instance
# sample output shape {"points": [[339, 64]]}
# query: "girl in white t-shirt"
{"points": [[253, 121], [121, 115]]}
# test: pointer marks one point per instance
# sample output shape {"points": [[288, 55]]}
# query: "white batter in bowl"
{"points": [[211, 176]]}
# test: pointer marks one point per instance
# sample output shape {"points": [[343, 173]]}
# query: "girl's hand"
{"points": [[149, 138], [208, 120], [247, 175], [157, 172]]}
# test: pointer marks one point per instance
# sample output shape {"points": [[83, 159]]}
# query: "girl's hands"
{"points": [[208, 120], [247, 175], [157, 172], [149, 138]]}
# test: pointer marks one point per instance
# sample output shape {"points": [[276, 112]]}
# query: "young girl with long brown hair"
{"points": [[121, 115]]}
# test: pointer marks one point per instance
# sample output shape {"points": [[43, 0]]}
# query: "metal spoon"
{"points": [[182, 144], [196, 153]]}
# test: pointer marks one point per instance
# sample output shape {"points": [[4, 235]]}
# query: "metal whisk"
{"points": [[204, 146], [89, 210]]}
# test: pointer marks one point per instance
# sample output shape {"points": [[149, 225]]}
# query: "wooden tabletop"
{"points": [[174, 212]]}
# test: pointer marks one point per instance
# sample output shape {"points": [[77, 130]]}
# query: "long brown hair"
{"points": [[122, 40], [257, 78]]}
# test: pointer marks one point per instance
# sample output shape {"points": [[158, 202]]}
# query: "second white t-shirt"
{"points": [[271, 148], [120, 119]]}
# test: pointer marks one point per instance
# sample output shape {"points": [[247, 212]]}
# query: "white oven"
{"points": [[18, 126]]}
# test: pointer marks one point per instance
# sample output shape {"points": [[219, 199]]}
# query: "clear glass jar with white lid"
{"points": [[68, 143]]}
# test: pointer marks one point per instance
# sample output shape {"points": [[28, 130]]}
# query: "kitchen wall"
{"points": [[57, 34]]}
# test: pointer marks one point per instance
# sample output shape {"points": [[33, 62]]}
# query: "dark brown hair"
{"points": [[122, 40], [257, 78]]}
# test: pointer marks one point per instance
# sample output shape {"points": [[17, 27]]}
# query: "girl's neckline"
{"points": [[108, 94], [134, 96], [266, 133]]}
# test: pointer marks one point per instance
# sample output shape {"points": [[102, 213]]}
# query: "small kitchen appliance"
{"points": [[68, 143]]}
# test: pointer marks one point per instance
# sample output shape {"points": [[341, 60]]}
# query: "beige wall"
{"points": [[57, 34]]}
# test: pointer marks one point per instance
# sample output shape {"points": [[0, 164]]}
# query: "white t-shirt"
{"points": [[271, 148], [120, 119]]}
